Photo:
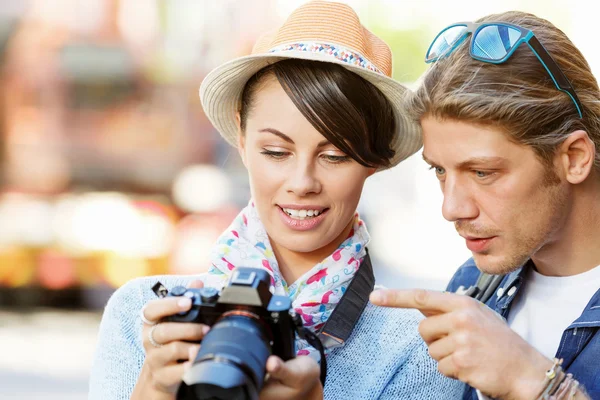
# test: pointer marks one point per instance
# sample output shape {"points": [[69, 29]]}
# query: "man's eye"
{"points": [[481, 174], [438, 170]]}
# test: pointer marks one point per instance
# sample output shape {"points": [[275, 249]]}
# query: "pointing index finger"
{"points": [[429, 302]]}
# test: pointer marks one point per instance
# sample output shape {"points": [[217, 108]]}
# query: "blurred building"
{"points": [[100, 118], [99, 114]]}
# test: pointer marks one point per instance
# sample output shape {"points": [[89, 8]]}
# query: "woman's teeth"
{"points": [[301, 214]]}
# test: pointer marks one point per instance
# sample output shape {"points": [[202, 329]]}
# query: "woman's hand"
{"points": [[169, 348], [298, 378], [165, 365]]}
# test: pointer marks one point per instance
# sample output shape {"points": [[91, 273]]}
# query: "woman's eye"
{"points": [[277, 155], [335, 159]]}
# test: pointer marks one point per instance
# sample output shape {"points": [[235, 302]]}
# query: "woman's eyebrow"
{"points": [[285, 137], [277, 133]]}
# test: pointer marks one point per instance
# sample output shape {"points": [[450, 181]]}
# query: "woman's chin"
{"points": [[301, 244], [303, 247]]}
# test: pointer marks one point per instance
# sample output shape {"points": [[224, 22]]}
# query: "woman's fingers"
{"points": [[167, 332], [297, 378], [171, 353], [158, 309], [168, 378], [170, 346], [197, 284], [192, 353]]}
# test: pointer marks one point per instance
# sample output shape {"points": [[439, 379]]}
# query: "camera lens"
{"points": [[231, 361]]}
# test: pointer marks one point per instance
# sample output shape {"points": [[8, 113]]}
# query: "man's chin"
{"points": [[497, 265]]}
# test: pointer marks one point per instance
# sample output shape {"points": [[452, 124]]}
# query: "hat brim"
{"points": [[221, 91]]}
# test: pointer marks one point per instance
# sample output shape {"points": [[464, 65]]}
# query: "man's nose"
{"points": [[458, 203]]}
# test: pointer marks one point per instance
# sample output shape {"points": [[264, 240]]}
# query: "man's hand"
{"points": [[297, 378], [472, 343]]}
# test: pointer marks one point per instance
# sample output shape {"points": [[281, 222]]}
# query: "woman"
{"points": [[312, 120]]}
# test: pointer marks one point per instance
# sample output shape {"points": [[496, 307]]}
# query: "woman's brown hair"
{"points": [[346, 109]]}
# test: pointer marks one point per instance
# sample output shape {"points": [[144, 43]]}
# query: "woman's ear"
{"points": [[577, 154], [241, 140]]}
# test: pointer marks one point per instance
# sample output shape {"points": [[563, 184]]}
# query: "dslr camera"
{"points": [[248, 324]]}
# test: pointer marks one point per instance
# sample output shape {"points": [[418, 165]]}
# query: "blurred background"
{"points": [[109, 170]]}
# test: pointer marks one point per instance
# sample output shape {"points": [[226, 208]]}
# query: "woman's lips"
{"points": [[304, 224]]}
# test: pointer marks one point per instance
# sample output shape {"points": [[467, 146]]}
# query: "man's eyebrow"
{"points": [[479, 161], [427, 160], [471, 162]]}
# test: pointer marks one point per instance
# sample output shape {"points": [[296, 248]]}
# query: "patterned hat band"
{"points": [[339, 52]]}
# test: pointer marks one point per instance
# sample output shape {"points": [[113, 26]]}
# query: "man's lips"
{"points": [[466, 237], [478, 244]]}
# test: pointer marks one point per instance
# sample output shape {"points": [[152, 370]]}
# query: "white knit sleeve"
{"points": [[419, 379], [119, 353]]}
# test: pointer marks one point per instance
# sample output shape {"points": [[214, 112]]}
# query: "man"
{"points": [[511, 127]]}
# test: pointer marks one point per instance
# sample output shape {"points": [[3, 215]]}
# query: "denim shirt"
{"points": [[580, 344]]}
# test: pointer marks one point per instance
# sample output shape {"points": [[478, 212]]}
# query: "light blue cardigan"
{"points": [[384, 358]]}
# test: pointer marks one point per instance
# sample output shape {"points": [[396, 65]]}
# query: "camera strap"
{"points": [[342, 320], [485, 287], [313, 340], [344, 317]]}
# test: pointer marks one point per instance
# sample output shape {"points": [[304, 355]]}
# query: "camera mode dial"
{"points": [[209, 295]]}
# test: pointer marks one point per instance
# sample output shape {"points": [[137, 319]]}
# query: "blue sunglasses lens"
{"points": [[494, 42], [445, 42]]}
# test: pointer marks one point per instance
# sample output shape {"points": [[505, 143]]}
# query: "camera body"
{"points": [[248, 324], [246, 295]]}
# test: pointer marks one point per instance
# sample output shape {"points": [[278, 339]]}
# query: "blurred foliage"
{"points": [[408, 49], [408, 44]]}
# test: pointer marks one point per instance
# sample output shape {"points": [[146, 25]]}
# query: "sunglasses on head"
{"points": [[495, 42]]}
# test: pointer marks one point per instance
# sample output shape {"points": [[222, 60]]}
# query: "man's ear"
{"points": [[576, 155], [241, 140]]}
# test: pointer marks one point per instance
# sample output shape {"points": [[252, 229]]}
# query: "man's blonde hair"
{"points": [[517, 96]]}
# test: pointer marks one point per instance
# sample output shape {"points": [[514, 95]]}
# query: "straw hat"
{"points": [[320, 31]]}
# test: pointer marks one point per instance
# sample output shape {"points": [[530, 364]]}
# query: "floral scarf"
{"points": [[315, 294]]}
